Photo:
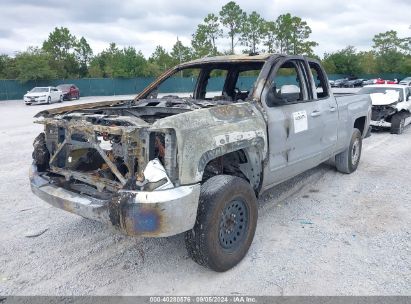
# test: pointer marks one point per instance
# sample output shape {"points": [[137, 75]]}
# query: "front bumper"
{"points": [[137, 213], [380, 124], [37, 100]]}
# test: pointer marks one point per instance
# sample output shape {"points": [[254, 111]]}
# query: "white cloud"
{"points": [[146, 24]]}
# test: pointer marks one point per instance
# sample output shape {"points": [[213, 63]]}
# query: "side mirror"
{"points": [[272, 97]]}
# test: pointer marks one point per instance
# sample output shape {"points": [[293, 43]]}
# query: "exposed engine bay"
{"points": [[100, 151]]}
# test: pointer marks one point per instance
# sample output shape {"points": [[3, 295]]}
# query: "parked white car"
{"points": [[40, 95], [391, 105], [406, 81]]}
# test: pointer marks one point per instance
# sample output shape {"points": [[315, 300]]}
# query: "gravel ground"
{"points": [[321, 233]]}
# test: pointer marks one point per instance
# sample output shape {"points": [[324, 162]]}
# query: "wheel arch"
{"points": [[242, 158], [359, 123]]}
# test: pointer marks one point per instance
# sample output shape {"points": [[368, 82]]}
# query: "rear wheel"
{"points": [[348, 160], [78, 96], [225, 224], [398, 123]]}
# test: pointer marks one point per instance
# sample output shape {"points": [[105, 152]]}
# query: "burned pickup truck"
{"points": [[168, 162]]}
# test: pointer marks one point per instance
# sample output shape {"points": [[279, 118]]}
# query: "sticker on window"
{"points": [[300, 121]]}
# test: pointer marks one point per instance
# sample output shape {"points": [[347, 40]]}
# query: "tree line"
{"points": [[63, 55]]}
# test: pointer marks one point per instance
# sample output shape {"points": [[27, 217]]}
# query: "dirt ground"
{"points": [[321, 233]]}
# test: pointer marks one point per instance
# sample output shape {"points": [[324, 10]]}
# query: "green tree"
{"points": [[232, 17], [293, 34], [270, 36], [390, 51], [161, 60], [212, 30], [345, 61], [60, 46], [181, 53], [7, 67], [83, 54], [367, 62], [200, 42], [119, 63], [283, 26], [33, 64], [253, 31], [299, 37]]}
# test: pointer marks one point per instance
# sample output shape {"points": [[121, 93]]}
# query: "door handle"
{"points": [[332, 109], [315, 113]]}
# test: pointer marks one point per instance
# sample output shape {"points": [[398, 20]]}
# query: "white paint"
{"points": [[155, 172], [231, 137], [300, 121], [383, 99], [104, 144]]}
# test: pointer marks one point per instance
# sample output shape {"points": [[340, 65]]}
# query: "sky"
{"points": [[146, 24]]}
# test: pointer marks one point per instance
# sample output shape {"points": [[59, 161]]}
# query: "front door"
{"points": [[295, 127]]}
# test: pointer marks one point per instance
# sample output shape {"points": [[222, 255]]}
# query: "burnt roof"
{"points": [[229, 58]]}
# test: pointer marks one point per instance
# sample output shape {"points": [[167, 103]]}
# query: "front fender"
{"points": [[205, 134]]}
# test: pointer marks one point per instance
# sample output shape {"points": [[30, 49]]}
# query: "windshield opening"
{"points": [[225, 81], [39, 90]]}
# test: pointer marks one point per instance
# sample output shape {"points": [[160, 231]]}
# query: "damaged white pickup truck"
{"points": [[164, 164]]}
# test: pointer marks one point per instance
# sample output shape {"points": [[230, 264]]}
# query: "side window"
{"points": [[320, 81], [181, 84], [246, 80], [287, 85], [245, 83], [214, 88]]}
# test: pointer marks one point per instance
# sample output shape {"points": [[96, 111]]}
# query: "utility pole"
{"points": [[179, 54]]}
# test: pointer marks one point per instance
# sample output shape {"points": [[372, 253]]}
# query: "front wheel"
{"points": [[49, 100], [225, 224], [61, 98], [398, 123], [348, 160]]}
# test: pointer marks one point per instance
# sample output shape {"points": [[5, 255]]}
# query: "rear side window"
{"points": [[320, 81]]}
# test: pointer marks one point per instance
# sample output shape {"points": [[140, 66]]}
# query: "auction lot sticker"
{"points": [[300, 121]]}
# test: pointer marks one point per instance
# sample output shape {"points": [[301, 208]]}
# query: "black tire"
{"points": [[61, 98], [218, 240], [78, 96], [398, 123], [49, 100], [348, 160]]}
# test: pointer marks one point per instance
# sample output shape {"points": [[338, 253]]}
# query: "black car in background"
{"points": [[355, 83], [70, 91], [340, 83]]}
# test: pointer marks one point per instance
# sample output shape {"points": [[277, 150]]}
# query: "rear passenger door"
{"points": [[328, 108], [295, 128]]}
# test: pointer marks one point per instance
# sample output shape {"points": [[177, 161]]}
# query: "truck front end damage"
{"points": [[115, 169]]}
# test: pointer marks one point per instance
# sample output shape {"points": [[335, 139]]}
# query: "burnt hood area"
{"points": [[147, 110]]}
